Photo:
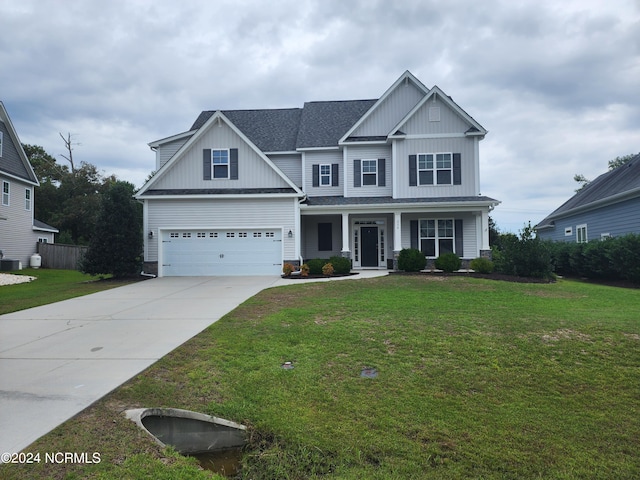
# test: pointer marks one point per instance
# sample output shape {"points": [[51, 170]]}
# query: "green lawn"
{"points": [[51, 286], [476, 379]]}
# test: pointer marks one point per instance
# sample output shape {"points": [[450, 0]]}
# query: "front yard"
{"points": [[476, 379]]}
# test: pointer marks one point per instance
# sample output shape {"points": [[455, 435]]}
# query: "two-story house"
{"points": [[243, 191], [19, 231]]}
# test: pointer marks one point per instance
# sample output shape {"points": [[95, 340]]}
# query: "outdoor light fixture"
{"points": [[290, 234], [150, 233]]}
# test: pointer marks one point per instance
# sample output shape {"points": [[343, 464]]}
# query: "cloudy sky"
{"points": [[556, 83]]}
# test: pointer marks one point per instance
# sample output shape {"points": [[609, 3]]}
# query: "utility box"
{"points": [[7, 265]]}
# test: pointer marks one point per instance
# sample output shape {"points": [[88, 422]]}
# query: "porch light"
{"points": [[290, 234], [150, 233]]}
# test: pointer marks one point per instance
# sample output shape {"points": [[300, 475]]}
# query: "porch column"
{"points": [[484, 244], [397, 237], [346, 251]]}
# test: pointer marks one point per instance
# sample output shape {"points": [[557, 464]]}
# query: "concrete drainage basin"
{"points": [[216, 442]]}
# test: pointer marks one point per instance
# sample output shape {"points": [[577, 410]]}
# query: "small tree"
{"points": [[116, 244]]}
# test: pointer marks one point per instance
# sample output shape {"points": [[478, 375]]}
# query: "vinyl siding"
{"points": [[323, 158], [390, 112], [464, 146], [371, 152], [470, 243], [290, 165], [450, 122], [616, 220], [310, 236], [17, 238], [220, 213], [253, 171], [168, 150]]}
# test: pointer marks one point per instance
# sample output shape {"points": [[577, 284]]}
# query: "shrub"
{"points": [[525, 256], [411, 260], [341, 265], [315, 265], [287, 269], [327, 269], [304, 270], [481, 265], [448, 262]]}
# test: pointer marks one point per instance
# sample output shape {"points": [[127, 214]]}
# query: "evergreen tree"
{"points": [[116, 244]]}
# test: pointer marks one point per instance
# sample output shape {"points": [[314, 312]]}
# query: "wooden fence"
{"points": [[64, 257]]}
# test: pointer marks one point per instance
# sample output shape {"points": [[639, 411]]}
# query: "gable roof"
{"points": [[14, 161], [618, 184]]}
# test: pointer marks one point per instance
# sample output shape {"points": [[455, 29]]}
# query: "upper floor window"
{"points": [[435, 169], [27, 199], [369, 172], [5, 193], [220, 161], [581, 233], [325, 174]]}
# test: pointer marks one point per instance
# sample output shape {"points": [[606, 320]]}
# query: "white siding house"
{"points": [[361, 178]]}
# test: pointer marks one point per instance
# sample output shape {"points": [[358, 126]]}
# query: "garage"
{"points": [[221, 252]]}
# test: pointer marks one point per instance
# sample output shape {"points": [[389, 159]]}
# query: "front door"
{"points": [[369, 245]]}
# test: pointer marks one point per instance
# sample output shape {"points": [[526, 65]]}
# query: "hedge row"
{"points": [[340, 265]]}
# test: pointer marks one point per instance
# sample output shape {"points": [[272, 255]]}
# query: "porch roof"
{"points": [[383, 201]]}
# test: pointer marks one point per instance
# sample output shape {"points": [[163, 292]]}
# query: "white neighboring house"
{"points": [[19, 231], [243, 191]]}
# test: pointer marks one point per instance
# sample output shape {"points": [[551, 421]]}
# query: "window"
{"points": [[325, 175], [436, 237], [220, 161], [43, 240], [27, 199], [568, 231], [369, 172], [325, 237], [581, 233], [5, 193], [438, 167]]}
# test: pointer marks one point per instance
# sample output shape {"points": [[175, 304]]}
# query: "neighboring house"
{"points": [[19, 231], [243, 191], [609, 206]]}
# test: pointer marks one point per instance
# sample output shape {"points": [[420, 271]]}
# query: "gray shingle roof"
{"points": [[43, 226], [618, 181]]}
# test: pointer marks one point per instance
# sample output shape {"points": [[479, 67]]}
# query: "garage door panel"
{"points": [[222, 252]]}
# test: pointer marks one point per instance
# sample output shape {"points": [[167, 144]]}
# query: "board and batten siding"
{"points": [[310, 236], [615, 220], [253, 171], [469, 229], [17, 237], [221, 213], [167, 150], [423, 121], [333, 157], [369, 152], [464, 146], [290, 165], [390, 112]]}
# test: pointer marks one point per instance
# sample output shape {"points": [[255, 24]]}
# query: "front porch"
{"points": [[374, 239]]}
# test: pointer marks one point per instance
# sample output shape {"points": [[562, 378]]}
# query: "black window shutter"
{"points": [[357, 176], [459, 241], [233, 164], [382, 171], [414, 233], [457, 169], [206, 164], [413, 170], [335, 178], [316, 175], [325, 237]]}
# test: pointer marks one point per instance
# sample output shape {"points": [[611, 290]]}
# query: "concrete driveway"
{"points": [[57, 359]]}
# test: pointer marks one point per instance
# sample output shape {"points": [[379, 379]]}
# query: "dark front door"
{"points": [[369, 246]]}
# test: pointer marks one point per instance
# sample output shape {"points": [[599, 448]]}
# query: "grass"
{"points": [[51, 286], [477, 379]]}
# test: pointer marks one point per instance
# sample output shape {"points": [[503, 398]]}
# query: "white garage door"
{"points": [[221, 252]]}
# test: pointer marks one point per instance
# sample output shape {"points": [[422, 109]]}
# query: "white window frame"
{"points": [[369, 172], [568, 231], [438, 234], [214, 164], [6, 192], [430, 164], [581, 233], [325, 176], [27, 199], [43, 240]]}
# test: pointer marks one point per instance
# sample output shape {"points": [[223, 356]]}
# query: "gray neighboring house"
{"points": [[609, 206], [19, 231], [243, 191]]}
